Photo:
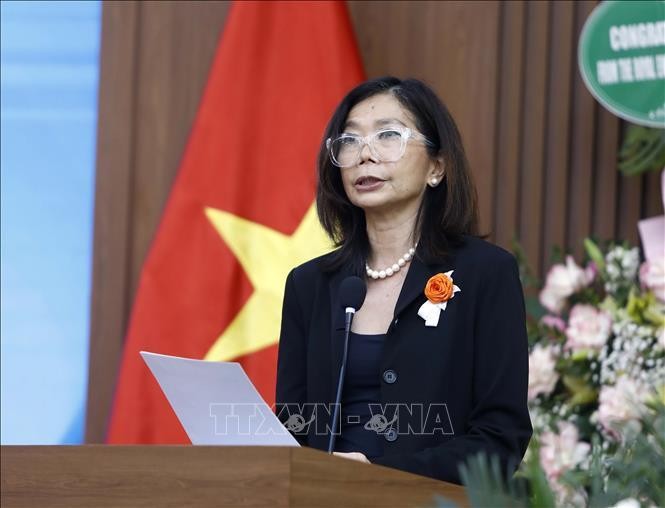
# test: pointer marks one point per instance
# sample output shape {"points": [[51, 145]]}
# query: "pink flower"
{"points": [[619, 404], [588, 328], [562, 281], [652, 276], [561, 452], [554, 322], [542, 372]]}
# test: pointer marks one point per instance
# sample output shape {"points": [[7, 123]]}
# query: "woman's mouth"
{"points": [[368, 183]]}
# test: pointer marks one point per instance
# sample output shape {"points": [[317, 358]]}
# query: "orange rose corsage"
{"points": [[440, 288]]}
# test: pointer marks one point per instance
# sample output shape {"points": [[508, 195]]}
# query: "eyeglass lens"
{"points": [[387, 145]]}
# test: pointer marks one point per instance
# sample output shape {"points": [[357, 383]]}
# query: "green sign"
{"points": [[622, 59]]}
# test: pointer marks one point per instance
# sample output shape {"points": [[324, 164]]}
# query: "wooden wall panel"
{"points": [[605, 174], [534, 121], [652, 201], [116, 136], [155, 58], [557, 150], [628, 207], [581, 150], [542, 151], [510, 90]]}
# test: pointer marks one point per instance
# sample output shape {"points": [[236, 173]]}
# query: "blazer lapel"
{"points": [[414, 284]]}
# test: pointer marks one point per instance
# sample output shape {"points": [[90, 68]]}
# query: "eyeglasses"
{"points": [[387, 145]]}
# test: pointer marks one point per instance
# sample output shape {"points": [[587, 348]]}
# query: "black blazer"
{"points": [[456, 389]]}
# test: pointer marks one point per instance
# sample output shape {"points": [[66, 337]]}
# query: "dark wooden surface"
{"points": [[179, 476], [351, 483], [542, 151]]}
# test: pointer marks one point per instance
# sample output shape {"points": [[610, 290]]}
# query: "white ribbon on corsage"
{"points": [[431, 311]]}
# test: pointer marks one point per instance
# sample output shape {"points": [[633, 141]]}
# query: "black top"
{"points": [[362, 387], [449, 391]]}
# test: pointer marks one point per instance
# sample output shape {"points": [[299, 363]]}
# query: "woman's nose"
{"points": [[366, 154]]}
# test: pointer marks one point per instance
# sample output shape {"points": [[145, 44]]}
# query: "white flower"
{"points": [[588, 328], [629, 502], [552, 300], [621, 266], [542, 373], [561, 452], [620, 403], [652, 276], [562, 281]]}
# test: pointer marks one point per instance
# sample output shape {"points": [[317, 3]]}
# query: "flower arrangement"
{"points": [[596, 363], [596, 387], [597, 360]]}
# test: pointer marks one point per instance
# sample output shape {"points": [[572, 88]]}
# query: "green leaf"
{"points": [[594, 253], [643, 149], [582, 393], [486, 484], [541, 492]]}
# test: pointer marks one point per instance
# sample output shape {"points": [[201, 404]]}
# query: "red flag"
{"points": [[240, 211]]}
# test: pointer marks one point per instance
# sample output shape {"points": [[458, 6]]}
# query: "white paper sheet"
{"points": [[216, 402]]}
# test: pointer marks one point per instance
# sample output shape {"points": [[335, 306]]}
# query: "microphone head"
{"points": [[352, 292]]}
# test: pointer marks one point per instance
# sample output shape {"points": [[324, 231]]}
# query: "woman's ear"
{"points": [[436, 172]]}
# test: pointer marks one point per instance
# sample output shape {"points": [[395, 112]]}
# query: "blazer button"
{"points": [[390, 376], [391, 435]]}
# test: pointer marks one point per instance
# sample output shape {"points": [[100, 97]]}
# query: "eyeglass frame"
{"points": [[406, 133]]}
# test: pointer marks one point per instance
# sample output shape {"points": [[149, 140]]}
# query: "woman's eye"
{"points": [[348, 140], [389, 134]]}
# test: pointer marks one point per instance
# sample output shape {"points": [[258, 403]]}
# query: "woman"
{"points": [[437, 365]]}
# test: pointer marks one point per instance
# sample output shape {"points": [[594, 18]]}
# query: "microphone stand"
{"points": [[350, 311]]}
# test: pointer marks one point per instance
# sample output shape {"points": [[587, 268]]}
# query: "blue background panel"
{"points": [[49, 78]]}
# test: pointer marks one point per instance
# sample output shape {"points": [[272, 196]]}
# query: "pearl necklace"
{"points": [[391, 270]]}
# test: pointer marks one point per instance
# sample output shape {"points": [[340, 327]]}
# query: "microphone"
{"points": [[352, 293]]}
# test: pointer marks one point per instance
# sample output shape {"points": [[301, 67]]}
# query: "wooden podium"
{"points": [[152, 476]]}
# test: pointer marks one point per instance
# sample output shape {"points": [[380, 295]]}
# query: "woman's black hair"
{"points": [[448, 211]]}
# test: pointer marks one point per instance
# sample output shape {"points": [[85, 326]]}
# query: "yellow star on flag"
{"points": [[266, 256]]}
